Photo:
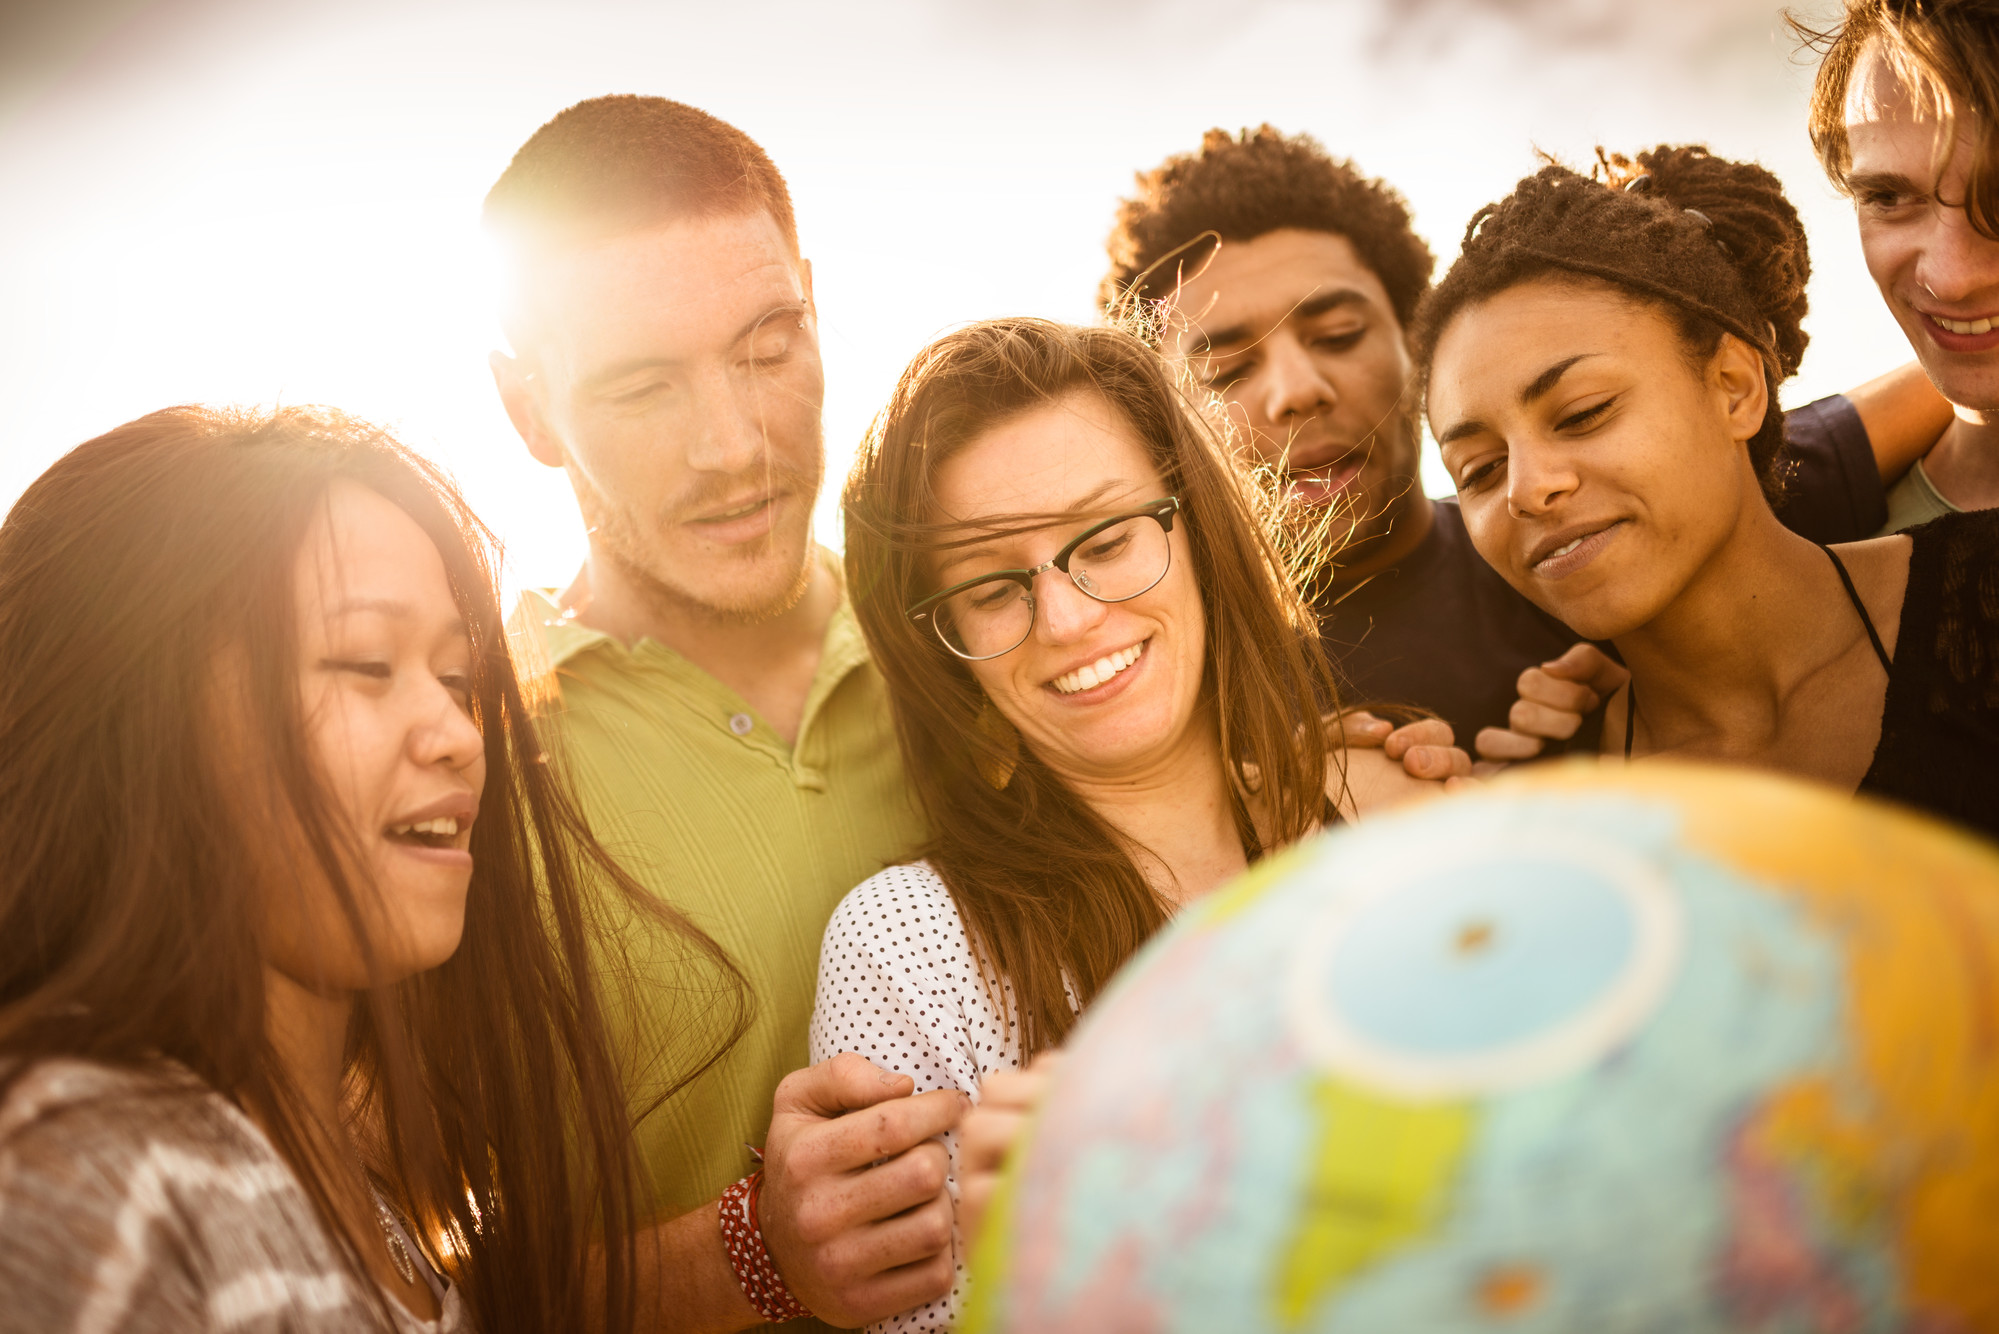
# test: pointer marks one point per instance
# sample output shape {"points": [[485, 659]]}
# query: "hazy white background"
{"points": [[277, 200]]}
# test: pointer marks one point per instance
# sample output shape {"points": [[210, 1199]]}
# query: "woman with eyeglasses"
{"points": [[1107, 691]]}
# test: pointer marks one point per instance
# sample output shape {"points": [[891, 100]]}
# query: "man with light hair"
{"points": [[710, 698], [1905, 117]]}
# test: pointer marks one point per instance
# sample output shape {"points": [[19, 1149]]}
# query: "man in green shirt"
{"points": [[708, 689]]}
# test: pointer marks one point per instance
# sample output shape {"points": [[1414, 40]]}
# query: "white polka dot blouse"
{"points": [[898, 984]]}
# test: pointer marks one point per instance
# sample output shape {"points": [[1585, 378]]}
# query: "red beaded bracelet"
{"points": [[743, 1239]]}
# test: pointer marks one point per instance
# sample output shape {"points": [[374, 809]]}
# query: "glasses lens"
{"points": [[985, 619], [1122, 561]]}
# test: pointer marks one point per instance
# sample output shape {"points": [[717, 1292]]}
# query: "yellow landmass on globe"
{"points": [[1905, 1138], [1358, 1208]]}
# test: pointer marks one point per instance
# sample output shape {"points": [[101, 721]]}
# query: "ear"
{"points": [[524, 410], [1737, 374]]}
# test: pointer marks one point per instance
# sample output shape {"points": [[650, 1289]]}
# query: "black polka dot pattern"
{"points": [[898, 984]]}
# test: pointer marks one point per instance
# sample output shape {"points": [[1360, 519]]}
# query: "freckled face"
{"points": [[1098, 690], [679, 369], [1597, 472], [384, 675]]}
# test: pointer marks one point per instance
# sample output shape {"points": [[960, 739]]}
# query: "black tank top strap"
{"points": [[1846, 581]]}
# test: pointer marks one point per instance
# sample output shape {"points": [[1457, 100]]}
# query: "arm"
{"points": [[1904, 416], [854, 1211]]}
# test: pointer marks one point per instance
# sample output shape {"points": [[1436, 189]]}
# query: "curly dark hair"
{"points": [[1713, 241], [1238, 187]]}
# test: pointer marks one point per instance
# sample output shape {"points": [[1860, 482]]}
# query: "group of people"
{"points": [[635, 960]]}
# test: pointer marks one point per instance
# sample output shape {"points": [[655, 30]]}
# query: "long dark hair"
{"points": [[483, 1090], [1049, 892]]}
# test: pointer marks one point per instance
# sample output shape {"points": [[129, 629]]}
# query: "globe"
{"points": [[1665, 1049]]}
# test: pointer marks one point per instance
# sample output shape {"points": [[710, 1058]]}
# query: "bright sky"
{"points": [[273, 200]]}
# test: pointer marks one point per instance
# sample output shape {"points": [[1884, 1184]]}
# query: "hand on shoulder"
{"points": [[1553, 699], [1375, 764]]}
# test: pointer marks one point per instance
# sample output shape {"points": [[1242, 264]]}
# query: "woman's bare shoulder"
{"points": [[1879, 567]]}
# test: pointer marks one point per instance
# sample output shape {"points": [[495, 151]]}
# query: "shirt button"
{"points": [[741, 724]]}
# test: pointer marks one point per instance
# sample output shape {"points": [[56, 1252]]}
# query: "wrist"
{"points": [[742, 1239]]}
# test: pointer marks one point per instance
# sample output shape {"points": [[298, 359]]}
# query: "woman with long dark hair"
{"points": [[1107, 689], [1602, 364], [300, 1019]]}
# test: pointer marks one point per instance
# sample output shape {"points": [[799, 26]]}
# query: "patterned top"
{"points": [[752, 838], [146, 1201], [900, 985]]}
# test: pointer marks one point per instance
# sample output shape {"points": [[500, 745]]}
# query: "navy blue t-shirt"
{"points": [[1441, 631]]}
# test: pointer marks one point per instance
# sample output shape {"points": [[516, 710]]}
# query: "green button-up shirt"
{"points": [[753, 840]]}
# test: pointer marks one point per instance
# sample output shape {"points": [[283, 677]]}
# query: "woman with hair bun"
{"points": [[1602, 365]]}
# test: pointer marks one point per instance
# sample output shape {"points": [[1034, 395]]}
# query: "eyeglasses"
{"points": [[1113, 561]]}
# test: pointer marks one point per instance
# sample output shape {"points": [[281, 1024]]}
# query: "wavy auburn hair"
{"points": [[1051, 896], [1946, 54], [137, 575]]}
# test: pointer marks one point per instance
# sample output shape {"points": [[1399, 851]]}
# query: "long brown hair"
{"points": [[1049, 893], [484, 1088]]}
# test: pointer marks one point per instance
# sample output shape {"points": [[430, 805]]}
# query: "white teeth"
{"points": [[1563, 549], [445, 826], [1098, 672], [1966, 326]]}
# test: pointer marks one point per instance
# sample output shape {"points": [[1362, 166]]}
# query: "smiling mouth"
{"points": [[1574, 544], [741, 511], [439, 833], [1096, 673], [1977, 326]]}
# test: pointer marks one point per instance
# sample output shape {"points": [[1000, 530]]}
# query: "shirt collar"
{"points": [[545, 636]]}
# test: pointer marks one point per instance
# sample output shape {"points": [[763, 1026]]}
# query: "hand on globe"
{"points": [[1007, 1099]]}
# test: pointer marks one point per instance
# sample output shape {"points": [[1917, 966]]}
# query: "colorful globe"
{"points": [[1676, 1049]]}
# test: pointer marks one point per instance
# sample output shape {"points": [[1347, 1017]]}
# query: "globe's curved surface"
{"points": [[1676, 1049]]}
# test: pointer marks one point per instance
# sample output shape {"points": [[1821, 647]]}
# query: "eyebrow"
{"points": [[1536, 387], [959, 555], [1310, 308], [1893, 182], [389, 607], [393, 608], [618, 371]]}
